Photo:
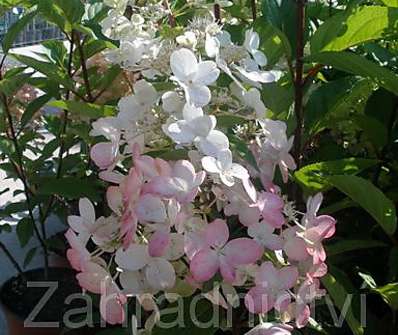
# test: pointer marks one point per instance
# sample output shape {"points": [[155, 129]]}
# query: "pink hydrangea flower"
{"points": [[271, 287], [219, 254]]}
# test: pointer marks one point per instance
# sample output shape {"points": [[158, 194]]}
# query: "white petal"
{"points": [[180, 132], [212, 46], [191, 112], [87, 211], [210, 164], [224, 158], [239, 171], [134, 258], [133, 282], [213, 143], [76, 223], [183, 62], [198, 95], [259, 57], [160, 274], [145, 92], [207, 73], [150, 208], [175, 250], [203, 125]]}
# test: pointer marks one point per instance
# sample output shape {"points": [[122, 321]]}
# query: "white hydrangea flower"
{"points": [[225, 168], [193, 76], [198, 129], [133, 107]]}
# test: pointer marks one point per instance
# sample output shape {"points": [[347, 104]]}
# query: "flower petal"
{"points": [[134, 258], [160, 274], [204, 265], [242, 251], [217, 233]]}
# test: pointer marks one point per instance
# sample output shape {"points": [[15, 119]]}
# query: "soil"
{"points": [[20, 299]]}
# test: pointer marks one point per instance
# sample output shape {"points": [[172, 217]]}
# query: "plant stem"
{"points": [[295, 192], [171, 18], [63, 130], [84, 68], [23, 177], [11, 259], [254, 9], [217, 13], [298, 81]]}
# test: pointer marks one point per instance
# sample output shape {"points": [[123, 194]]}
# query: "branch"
{"points": [[217, 13], [298, 81], [172, 19], [84, 67], [254, 9]]}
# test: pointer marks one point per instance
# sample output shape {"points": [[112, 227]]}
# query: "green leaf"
{"points": [[273, 42], [370, 198], [25, 231], [359, 25], [229, 121], [72, 9], [9, 86], [339, 294], [338, 98], [389, 293], [390, 3], [5, 227], [84, 108], [15, 29], [352, 63], [282, 15], [392, 264], [351, 245], [315, 177], [69, 188], [173, 155], [34, 107], [51, 70], [375, 131], [29, 257]]}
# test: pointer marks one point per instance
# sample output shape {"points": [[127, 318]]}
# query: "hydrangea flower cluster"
{"points": [[211, 218]]}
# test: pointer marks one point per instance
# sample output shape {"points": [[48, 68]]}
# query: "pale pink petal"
{"points": [[217, 233], [114, 198], [204, 265], [112, 308], [158, 243], [151, 209], [287, 277], [93, 278], [160, 274], [296, 249], [227, 271], [258, 301], [103, 154], [134, 258], [242, 251], [267, 275], [87, 211]]}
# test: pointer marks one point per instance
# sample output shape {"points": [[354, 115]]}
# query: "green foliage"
{"points": [[25, 231], [84, 109], [316, 177], [370, 198], [339, 295], [355, 26], [352, 63], [389, 293], [15, 29]]}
